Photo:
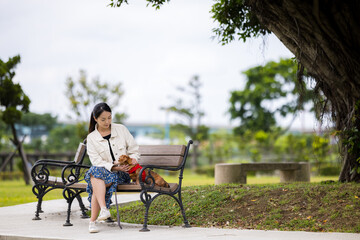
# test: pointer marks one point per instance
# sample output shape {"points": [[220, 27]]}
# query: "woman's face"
{"points": [[104, 120]]}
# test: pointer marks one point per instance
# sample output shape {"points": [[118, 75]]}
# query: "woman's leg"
{"points": [[98, 197], [99, 190], [95, 208]]}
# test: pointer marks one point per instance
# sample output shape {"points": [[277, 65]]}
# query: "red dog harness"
{"points": [[137, 166]]}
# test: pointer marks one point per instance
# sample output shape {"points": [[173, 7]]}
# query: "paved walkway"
{"points": [[16, 223]]}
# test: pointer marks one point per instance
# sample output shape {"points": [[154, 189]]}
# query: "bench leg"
{"points": [[39, 192], [186, 223], [82, 207], [69, 195], [38, 209], [147, 202], [145, 228]]}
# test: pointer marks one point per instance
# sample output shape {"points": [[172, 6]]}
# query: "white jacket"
{"points": [[122, 142]]}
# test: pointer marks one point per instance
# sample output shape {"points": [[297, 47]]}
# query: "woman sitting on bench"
{"points": [[106, 142]]}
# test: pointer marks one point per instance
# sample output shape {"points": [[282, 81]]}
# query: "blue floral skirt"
{"points": [[109, 177]]}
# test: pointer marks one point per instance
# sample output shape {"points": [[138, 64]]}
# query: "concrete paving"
{"points": [[16, 224]]}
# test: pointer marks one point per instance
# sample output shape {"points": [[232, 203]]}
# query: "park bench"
{"points": [[42, 175], [166, 157], [237, 172]]}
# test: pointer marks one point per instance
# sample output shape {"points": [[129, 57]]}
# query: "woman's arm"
{"points": [[94, 155], [132, 147], [123, 168]]}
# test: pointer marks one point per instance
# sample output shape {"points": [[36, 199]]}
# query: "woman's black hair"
{"points": [[97, 111]]}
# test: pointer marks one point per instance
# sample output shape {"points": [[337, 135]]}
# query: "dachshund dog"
{"points": [[135, 171]]}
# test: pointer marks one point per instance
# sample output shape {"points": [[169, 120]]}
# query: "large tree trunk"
{"points": [[18, 144], [325, 38]]}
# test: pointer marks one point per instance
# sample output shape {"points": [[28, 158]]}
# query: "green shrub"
{"points": [[11, 175], [206, 170], [329, 171]]}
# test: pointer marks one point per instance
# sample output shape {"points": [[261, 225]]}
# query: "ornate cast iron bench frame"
{"points": [[166, 157], [44, 182]]}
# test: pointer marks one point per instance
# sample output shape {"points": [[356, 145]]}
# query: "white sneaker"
{"points": [[104, 214], [93, 228]]}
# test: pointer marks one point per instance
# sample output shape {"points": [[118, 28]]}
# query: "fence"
{"points": [[32, 158]]}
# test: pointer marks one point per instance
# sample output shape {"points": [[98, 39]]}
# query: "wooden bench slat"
{"points": [[164, 161], [162, 150], [128, 187], [80, 186], [56, 181], [80, 152], [137, 187]]}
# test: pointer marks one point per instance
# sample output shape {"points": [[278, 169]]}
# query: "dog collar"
{"points": [[134, 168]]}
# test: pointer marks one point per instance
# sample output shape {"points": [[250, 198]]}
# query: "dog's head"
{"points": [[125, 159]]}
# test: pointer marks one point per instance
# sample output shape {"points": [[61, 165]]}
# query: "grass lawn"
{"points": [[193, 179], [14, 192], [315, 207], [263, 203]]}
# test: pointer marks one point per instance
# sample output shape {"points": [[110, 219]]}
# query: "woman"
{"points": [[106, 142]]}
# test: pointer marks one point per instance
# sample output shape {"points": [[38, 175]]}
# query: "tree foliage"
{"points": [[38, 126], [13, 102], [220, 146], [269, 91], [34, 120], [62, 138], [190, 114], [154, 3], [83, 95], [236, 20]]}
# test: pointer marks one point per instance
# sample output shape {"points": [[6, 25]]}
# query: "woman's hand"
{"points": [[123, 168]]}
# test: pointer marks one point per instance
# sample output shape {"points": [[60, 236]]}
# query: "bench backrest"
{"points": [[80, 153], [162, 155]]}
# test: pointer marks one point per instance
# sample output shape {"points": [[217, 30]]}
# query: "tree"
{"points": [[13, 101], [5, 134], [321, 149], [191, 115], [83, 95], [34, 120], [293, 147], [39, 125], [220, 146], [266, 87], [324, 36], [62, 138]]}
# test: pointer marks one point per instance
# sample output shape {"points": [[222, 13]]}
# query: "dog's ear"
{"points": [[128, 160], [123, 159]]}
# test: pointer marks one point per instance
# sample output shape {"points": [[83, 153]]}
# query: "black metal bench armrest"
{"points": [[73, 173], [41, 171], [149, 183], [53, 161]]}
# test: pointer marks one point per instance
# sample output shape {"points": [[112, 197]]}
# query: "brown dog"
{"points": [[135, 171]]}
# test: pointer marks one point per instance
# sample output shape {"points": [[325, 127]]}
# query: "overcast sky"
{"points": [[149, 51]]}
